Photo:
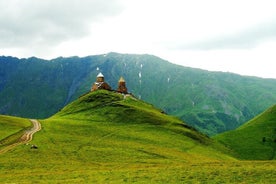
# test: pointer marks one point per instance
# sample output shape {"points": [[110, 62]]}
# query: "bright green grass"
{"points": [[11, 128], [98, 152], [247, 141], [124, 141]]}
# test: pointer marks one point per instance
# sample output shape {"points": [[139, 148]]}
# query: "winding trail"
{"points": [[25, 138]]}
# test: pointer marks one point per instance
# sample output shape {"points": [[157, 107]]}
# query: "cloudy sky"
{"points": [[221, 35]]}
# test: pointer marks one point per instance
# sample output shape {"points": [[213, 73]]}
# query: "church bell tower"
{"points": [[122, 86]]}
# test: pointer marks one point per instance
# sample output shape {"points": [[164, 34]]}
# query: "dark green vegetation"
{"points": [[255, 140], [209, 101], [104, 137]]}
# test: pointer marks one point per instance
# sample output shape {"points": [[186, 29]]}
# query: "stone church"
{"points": [[101, 84]]}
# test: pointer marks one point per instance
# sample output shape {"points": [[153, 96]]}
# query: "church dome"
{"points": [[100, 75], [122, 79]]}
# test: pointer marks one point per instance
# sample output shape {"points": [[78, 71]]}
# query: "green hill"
{"points": [[255, 140], [105, 137], [212, 102], [136, 127]]}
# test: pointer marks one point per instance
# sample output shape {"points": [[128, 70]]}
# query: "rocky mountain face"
{"points": [[212, 102]]}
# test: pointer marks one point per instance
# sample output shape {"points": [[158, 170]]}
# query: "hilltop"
{"points": [[212, 102], [256, 139], [109, 108]]}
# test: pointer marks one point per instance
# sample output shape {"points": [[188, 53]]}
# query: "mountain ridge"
{"points": [[212, 102]]}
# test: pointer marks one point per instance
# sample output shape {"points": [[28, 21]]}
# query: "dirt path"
{"points": [[25, 138]]}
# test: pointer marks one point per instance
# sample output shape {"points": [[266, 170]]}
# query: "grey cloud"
{"points": [[47, 22], [245, 39]]}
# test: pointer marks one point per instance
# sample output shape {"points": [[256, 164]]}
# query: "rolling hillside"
{"points": [[104, 137], [255, 140], [102, 133], [134, 123], [212, 102]]}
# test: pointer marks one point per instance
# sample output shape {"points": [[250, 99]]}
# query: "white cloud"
{"points": [[258, 61], [245, 39], [29, 23], [222, 35]]}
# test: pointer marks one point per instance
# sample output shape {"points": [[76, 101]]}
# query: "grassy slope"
{"points": [[103, 138], [11, 128], [247, 141], [134, 124]]}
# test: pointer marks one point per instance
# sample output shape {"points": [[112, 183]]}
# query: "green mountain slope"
{"points": [[211, 102], [104, 137], [255, 139]]}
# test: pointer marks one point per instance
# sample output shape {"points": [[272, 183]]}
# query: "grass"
{"points": [[222, 172], [104, 138], [255, 140], [11, 128]]}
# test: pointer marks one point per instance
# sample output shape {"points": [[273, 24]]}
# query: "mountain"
{"points": [[255, 140], [212, 102], [105, 137]]}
